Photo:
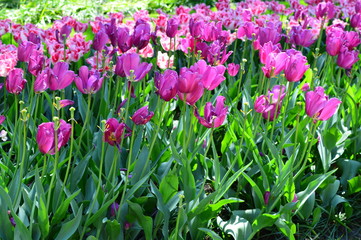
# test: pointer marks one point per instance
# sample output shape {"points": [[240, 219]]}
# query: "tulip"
{"points": [[196, 28], [267, 105], [333, 45], [318, 106], [266, 49], [172, 27], [42, 81], [211, 76], [355, 20], [65, 102], [88, 82], [36, 62], [111, 31], [211, 31], [305, 87], [15, 81], [64, 33], [346, 58], [295, 67], [114, 209], [266, 197], [100, 39], [46, 136], [268, 34], [115, 132], [301, 37], [275, 63], [2, 119], [352, 40], [141, 34], [60, 77], [125, 41], [24, 51], [190, 86], [247, 30], [213, 116], [325, 9], [129, 65], [166, 84], [142, 116], [233, 69]]}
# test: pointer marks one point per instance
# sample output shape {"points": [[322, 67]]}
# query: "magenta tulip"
{"points": [[115, 132], [142, 116], [25, 49], [172, 27], [60, 77], [275, 63], [2, 119], [42, 81], [233, 69], [346, 59], [129, 65], [302, 37], [166, 84], [318, 106], [100, 39], [211, 76], [213, 116], [88, 82], [271, 104], [125, 41], [36, 62], [15, 81], [141, 34], [46, 136], [295, 67]]}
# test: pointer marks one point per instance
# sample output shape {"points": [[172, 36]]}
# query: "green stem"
{"points": [[55, 171], [85, 124]]}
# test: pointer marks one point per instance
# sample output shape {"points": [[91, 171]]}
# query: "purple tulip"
{"points": [[270, 105], [247, 30], [2, 119], [266, 197], [142, 116], [211, 31], [318, 106], [36, 62], [60, 77], [46, 136], [88, 82], [352, 40], [114, 209], [301, 37], [166, 84], [141, 34], [295, 67], [325, 9], [305, 87], [233, 69], [346, 59], [125, 41], [129, 65], [65, 102], [64, 33], [15, 81], [269, 34], [266, 49], [196, 28], [100, 39], [111, 31], [115, 131], [333, 45], [355, 20], [25, 49], [172, 27], [213, 116]]}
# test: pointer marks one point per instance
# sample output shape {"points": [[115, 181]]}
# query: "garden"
{"points": [[168, 120]]}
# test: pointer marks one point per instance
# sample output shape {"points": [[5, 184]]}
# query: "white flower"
{"points": [[3, 136]]}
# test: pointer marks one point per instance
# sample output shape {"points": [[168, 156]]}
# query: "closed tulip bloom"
{"points": [[142, 116], [42, 80], [325, 9], [166, 84], [213, 116], [355, 20], [266, 49], [271, 104], [15, 81], [333, 45], [233, 69], [115, 132], [190, 86], [295, 67], [346, 59], [269, 34], [100, 39], [172, 27], [88, 82], [25, 49], [125, 41], [111, 31], [2, 119], [60, 77], [196, 28], [141, 34], [46, 136], [318, 106]]}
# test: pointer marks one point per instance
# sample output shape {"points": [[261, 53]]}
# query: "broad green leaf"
{"points": [[354, 185], [113, 229], [63, 208], [264, 220], [145, 222], [211, 233], [236, 226], [169, 186], [69, 228]]}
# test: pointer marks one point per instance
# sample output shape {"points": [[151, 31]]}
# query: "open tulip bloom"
{"points": [[318, 106], [213, 116], [270, 105]]}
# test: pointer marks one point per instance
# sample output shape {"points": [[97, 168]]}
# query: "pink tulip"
{"points": [[213, 116], [211, 76], [129, 65], [36, 62], [325, 9], [60, 77], [65, 102], [275, 64], [266, 49], [25, 49], [115, 132], [295, 67], [42, 80], [318, 106], [196, 28], [15, 81], [46, 136], [346, 59], [2, 119], [166, 84], [142, 116], [267, 105], [233, 69], [88, 82]]}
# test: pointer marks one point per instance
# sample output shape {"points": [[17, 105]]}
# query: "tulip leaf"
{"points": [[354, 185], [69, 228], [145, 222]]}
